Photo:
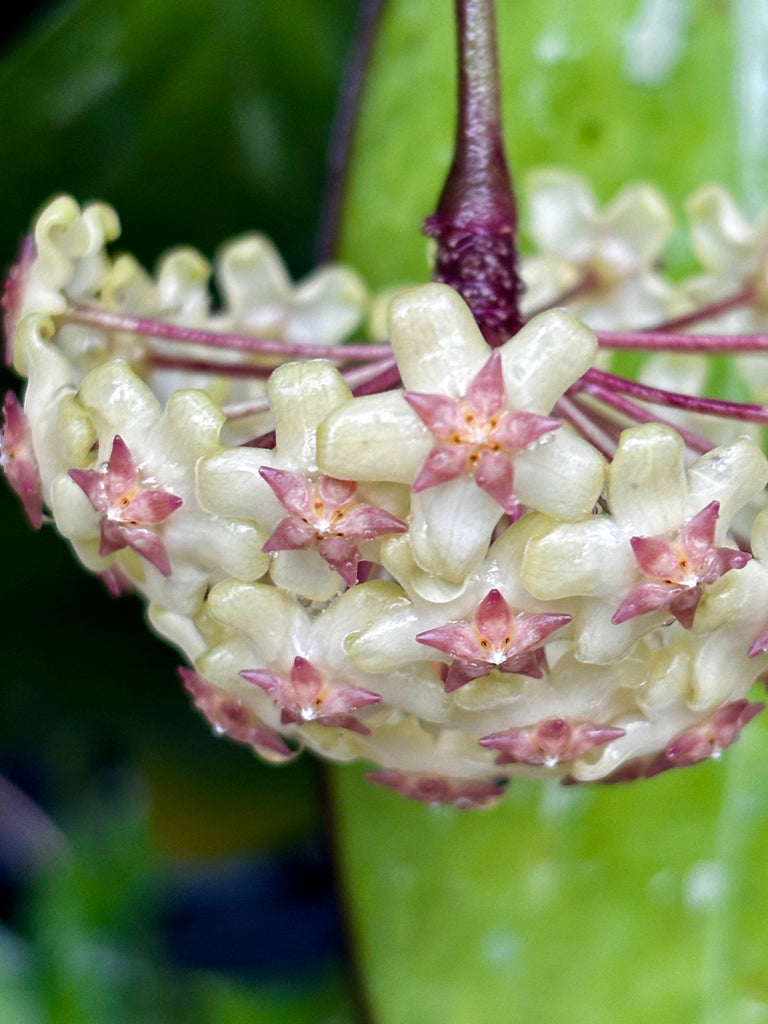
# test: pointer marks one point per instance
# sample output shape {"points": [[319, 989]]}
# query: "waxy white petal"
{"points": [[451, 527], [378, 437], [646, 482], [561, 475], [302, 395], [549, 354], [438, 345]]}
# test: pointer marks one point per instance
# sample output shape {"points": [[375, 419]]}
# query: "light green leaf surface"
{"points": [[639, 904]]}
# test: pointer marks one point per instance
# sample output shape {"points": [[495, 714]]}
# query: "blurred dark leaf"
{"points": [[195, 124]]}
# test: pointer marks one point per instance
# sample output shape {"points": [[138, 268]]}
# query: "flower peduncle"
{"points": [[475, 223]]}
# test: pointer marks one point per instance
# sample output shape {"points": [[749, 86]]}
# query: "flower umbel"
{"points": [[458, 549], [442, 578]]}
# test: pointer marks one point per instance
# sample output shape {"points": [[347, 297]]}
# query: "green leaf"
{"points": [[625, 904], [622, 904]]}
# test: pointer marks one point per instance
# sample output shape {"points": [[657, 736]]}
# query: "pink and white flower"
{"points": [[305, 696], [496, 639], [650, 498], [468, 431], [549, 743], [324, 514], [678, 568], [130, 511]]}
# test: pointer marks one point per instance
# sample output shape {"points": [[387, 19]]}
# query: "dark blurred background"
{"points": [[148, 871]]}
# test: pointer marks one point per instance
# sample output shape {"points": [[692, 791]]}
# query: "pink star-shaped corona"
{"points": [[494, 639], [324, 515], [709, 739], [679, 569], [548, 743], [17, 459], [438, 789], [230, 717], [477, 436], [306, 697], [129, 509]]}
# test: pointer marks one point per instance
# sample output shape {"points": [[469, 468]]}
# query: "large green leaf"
{"points": [[619, 904]]}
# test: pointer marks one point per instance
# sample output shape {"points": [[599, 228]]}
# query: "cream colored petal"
{"points": [[392, 640], [720, 236], [591, 558], [416, 689], [76, 434], [732, 474], [306, 574], [36, 357], [302, 394], [540, 362], [190, 426], [178, 630], [216, 544], [760, 536], [398, 560], [562, 477], [438, 345], [75, 517], [229, 484], [327, 307], [121, 403], [451, 527], [69, 254], [377, 437], [60, 426], [562, 214], [182, 284], [646, 480], [642, 219], [722, 672], [599, 641], [269, 619], [128, 286], [252, 278], [354, 612]]}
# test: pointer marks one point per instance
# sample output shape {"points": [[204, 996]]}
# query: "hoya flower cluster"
{"points": [[439, 557]]}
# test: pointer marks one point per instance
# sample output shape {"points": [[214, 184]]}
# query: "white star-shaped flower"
{"points": [[471, 432], [660, 513]]}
